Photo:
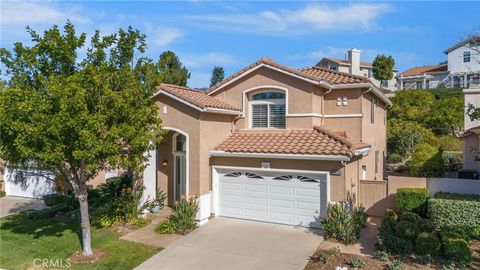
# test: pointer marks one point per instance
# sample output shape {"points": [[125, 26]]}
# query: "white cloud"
{"points": [[14, 13], [309, 19], [208, 59], [164, 36]]}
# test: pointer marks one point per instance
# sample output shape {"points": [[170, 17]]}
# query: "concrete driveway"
{"points": [[14, 205], [226, 243]]}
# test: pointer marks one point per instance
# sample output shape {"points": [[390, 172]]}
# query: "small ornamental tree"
{"points": [[76, 117], [383, 67], [218, 74]]}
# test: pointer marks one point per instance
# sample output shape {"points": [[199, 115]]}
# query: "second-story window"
{"points": [[373, 104], [466, 57], [268, 110]]}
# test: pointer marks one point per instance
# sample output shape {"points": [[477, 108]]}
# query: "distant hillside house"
{"points": [[462, 69], [353, 66], [423, 77]]}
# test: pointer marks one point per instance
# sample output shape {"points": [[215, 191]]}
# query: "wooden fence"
{"points": [[378, 196]]}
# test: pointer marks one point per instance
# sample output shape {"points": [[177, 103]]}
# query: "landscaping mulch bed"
{"points": [[79, 258], [409, 263]]}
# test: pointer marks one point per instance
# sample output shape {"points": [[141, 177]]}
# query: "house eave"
{"points": [[217, 153]]}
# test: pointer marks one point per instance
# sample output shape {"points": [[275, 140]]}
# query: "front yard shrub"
{"points": [[407, 230], [457, 196], [411, 217], [356, 263], [53, 199], [394, 244], [427, 243], [454, 212], [324, 256], [457, 250], [342, 224], [425, 259], [184, 215], [395, 265], [412, 200], [425, 225], [2, 194], [165, 227], [464, 232], [382, 255]]}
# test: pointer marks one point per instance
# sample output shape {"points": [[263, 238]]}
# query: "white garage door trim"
{"points": [[216, 176]]}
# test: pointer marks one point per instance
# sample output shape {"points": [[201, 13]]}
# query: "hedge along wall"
{"points": [[454, 212]]}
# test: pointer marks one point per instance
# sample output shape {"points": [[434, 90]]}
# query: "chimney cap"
{"points": [[354, 50]]}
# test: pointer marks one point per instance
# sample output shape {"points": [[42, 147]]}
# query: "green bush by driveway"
{"points": [[24, 239], [445, 212]]}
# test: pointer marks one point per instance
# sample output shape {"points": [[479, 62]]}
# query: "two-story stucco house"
{"points": [[471, 134], [352, 65], [270, 143], [462, 69]]}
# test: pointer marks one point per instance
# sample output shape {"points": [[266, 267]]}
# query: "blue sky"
{"points": [[234, 34]]}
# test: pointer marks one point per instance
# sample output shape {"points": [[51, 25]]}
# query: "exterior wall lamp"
{"points": [[165, 163]]}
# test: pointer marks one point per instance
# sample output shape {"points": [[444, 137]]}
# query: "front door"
{"points": [[179, 177], [180, 170]]}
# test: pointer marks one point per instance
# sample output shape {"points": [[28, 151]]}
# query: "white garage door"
{"points": [[33, 187], [278, 197]]}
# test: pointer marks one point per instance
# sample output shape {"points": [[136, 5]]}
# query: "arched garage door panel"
{"points": [[286, 198]]}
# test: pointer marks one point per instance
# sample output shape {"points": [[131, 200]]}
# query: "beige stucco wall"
{"points": [[182, 117], [375, 135], [303, 97], [337, 183], [471, 148]]}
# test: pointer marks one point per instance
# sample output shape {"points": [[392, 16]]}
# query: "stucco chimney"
{"points": [[353, 57]]}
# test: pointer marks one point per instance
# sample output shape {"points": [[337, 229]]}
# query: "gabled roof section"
{"points": [[197, 99], [474, 40], [346, 63], [308, 142], [426, 70], [333, 77], [316, 75]]}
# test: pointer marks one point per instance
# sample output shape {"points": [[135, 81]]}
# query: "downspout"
{"points": [[323, 105]]}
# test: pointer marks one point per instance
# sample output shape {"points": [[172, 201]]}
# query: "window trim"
{"points": [[268, 102]]}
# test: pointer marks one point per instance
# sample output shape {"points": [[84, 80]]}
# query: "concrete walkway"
{"points": [[14, 205], [225, 243]]}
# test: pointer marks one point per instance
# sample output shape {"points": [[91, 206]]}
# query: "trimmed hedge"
{"points": [[427, 243], [412, 200], [457, 196], [454, 212], [457, 250]]}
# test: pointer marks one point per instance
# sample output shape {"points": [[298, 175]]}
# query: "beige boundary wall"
{"points": [[377, 196]]}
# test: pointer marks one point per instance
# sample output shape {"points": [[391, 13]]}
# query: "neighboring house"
{"points": [[471, 142], [423, 77], [270, 143], [462, 69], [352, 65]]}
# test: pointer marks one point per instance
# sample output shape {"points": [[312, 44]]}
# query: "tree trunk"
{"points": [[80, 190], [86, 237]]}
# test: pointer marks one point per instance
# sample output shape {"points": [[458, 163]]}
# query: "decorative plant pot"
{"points": [[155, 209]]}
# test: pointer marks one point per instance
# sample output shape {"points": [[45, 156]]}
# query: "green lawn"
{"points": [[22, 240]]}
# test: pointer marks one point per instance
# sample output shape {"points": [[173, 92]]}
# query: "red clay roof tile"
{"points": [[316, 141]]}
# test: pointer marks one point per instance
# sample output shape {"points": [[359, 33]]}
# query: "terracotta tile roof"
{"points": [[197, 97], [429, 70], [316, 141], [312, 73], [345, 62], [333, 77]]}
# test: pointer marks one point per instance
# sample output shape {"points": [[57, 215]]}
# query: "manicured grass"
{"points": [[22, 240]]}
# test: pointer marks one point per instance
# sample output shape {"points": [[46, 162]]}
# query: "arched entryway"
{"points": [[173, 164]]}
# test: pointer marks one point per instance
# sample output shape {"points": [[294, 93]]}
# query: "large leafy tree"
{"points": [[171, 69], [383, 67], [218, 74], [76, 117]]}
